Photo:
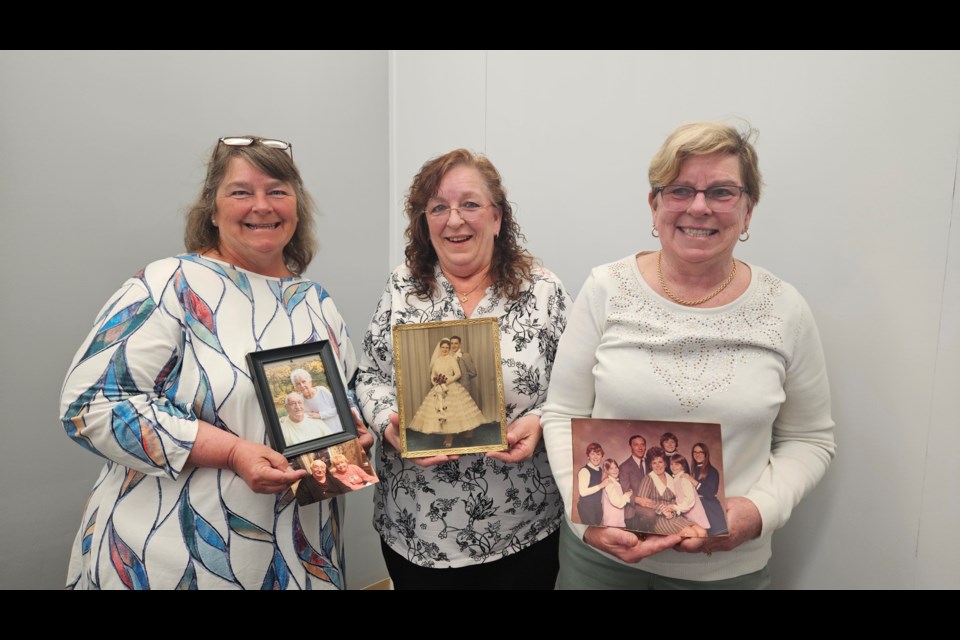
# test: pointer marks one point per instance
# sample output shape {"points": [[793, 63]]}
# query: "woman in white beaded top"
{"points": [[689, 333]]}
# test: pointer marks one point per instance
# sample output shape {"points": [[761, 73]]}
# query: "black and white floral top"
{"points": [[474, 509]]}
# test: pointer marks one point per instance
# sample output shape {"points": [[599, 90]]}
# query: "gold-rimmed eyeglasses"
{"points": [[468, 210], [246, 141]]}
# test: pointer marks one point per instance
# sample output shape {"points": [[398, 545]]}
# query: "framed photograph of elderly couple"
{"points": [[308, 418], [449, 387], [649, 476]]}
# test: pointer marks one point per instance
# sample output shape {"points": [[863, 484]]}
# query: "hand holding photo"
{"points": [[333, 471]]}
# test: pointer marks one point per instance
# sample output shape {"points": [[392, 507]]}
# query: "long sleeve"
{"points": [[615, 495], [117, 399], [376, 391], [803, 442], [571, 387]]}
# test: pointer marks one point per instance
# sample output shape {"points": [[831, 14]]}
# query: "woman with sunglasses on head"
{"points": [[467, 521], [689, 333], [191, 496]]}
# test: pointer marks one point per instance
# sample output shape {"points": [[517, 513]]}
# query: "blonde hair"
{"points": [[702, 139]]}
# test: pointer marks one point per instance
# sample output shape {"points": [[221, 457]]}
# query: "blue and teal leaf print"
{"points": [[243, 527], [315, 563], [121, 325], [203, 405], [118, 384], [292, 296], [88, 531], [125, 562], [278, 574], [137, 435], [237, 277], [205, 545], [197, 313], [321, 292], [188, 581]]}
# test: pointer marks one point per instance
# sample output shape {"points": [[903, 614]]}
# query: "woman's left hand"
{"points": [[743, 522], [523, 435]]}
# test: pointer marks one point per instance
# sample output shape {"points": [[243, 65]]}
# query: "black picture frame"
{"points": [[269, 367]]}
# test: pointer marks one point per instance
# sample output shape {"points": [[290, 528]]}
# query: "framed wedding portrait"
{"points": [[650, 476], [302, 397], [449, 387]]}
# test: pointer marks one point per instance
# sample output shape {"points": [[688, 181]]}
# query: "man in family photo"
{"points": [[297, 426]]}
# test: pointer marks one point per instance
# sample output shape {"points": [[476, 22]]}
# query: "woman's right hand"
{"points": [[263, 469], [627, 545], [392, 435]]}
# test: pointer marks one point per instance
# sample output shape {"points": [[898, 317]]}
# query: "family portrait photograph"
{"points": [[449, 387], [649, 476]]}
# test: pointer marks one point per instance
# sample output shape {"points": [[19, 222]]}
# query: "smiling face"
{"points": [[676, 468], [464, 246], [294, 407], [319, 471], [454, 345], [256, 217], [305, 387], [638, 447], [595, 457], [659, 465], [699, 235]]}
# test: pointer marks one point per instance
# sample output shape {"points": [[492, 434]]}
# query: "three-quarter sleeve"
{"points": [[117, 399]]}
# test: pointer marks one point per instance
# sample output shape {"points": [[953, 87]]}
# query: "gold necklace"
{"points": [[692, 303], [465, 296]]}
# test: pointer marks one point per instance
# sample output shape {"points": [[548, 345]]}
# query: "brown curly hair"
{"points": [[199, 233], [511, 265]]}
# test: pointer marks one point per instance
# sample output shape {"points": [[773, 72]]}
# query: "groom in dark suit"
{"points": [[632, 471]]}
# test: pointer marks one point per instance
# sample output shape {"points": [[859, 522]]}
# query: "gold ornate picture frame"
{"points": [[450, 400]]}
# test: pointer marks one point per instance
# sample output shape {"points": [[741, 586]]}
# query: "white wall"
{"points": [[859, 153], [100, 155]]}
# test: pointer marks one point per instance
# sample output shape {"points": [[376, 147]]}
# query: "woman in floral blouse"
{"points": [[468, 521]]}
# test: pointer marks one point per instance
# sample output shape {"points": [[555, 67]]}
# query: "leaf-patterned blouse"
{"points": [[168, 349], [474, 509]]}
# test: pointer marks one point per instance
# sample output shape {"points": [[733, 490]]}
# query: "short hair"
{"points": [[318, 461], [653, 453], [705, 138], [669, 436], [286, 400], [300, 374], [199, 232], [594, 447], [457, 338], [337, 457], [511, 266], [637, 437]]}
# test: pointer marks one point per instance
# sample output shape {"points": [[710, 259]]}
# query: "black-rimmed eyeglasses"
{"points": [[246, 141]]}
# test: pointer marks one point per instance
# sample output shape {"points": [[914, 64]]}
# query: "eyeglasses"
{"points": [[695, 452], [721, 198], [467, 210], [246, 141]]}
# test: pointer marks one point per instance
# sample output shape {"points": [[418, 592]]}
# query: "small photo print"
{"points": [[333, 471], [649, 476]]}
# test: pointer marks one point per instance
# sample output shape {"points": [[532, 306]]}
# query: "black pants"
{"points": [[535, 567]]}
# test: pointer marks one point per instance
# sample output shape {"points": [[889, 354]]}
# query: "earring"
{"points": [[653, 231], [745, 235], [213, 221]]}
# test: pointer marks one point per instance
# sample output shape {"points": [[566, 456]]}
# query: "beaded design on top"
{"points": [[702, 363]]}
